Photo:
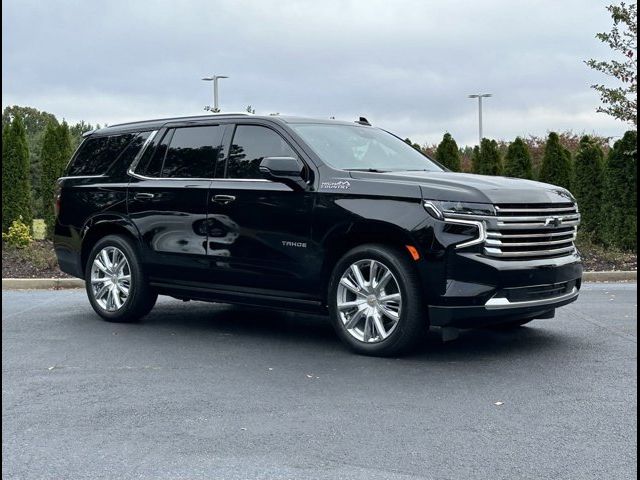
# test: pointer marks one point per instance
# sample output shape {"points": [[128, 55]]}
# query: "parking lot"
{"points": [[214, 391]]}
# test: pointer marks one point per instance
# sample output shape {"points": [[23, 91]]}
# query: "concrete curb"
{"points": [[612, 276], [41, 283], [60, 283]]}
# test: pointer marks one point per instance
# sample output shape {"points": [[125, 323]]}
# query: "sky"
{"points": [[407, 66]]}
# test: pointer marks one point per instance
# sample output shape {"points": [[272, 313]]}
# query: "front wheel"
{"points": [[115, 283], [375, 301]]}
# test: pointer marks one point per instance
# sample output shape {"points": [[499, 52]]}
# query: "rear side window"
{"points": [[96, 155], [250, 145], [193, 152], [150, 164], [127, 156]]}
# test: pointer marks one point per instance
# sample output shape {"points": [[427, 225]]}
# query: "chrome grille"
{"points": [[527, 231]]}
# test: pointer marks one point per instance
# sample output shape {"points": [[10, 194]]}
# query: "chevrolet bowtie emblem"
{"points": [[555, 221]]}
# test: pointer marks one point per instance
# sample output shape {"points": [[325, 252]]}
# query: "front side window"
{"points": [[193, 152], [252, 143], [356, 147]]}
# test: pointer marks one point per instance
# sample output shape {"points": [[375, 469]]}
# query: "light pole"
{"points": [[480, 96], [214, 79]]}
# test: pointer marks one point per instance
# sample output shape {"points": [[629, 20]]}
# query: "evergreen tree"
{"points": [[475, 160], [56, 150], [16, 188], [518, 160], [556, 166], [489, 162], [588, 184], [448, 153], [414, 145], [620, 194], [35, 122]]}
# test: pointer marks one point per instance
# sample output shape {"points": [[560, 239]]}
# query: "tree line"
{"points": [[36, 148], [604, 180]]}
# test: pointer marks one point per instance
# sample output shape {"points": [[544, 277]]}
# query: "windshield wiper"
{"points": [[374, 170]]}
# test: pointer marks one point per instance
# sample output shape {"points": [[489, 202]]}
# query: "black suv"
{"points": [[310, 215]]}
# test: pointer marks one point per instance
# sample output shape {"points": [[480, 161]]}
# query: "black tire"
{"points": [[412, 323], [141, 298]]}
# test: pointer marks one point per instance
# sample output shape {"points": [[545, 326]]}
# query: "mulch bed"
{"points": [[596, 261], [39, 261], [36, 261]]}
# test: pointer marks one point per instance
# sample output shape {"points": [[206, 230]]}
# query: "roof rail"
{"points": [[171, 119], [228, 113]]}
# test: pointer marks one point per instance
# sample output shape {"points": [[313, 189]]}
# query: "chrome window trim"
{"points": [[136, 160]]}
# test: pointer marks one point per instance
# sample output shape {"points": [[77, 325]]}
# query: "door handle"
{"points": [[142, 196], [223, 199]]}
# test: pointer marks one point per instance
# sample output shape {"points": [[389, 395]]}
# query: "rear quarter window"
{"points": [[97, 154]]}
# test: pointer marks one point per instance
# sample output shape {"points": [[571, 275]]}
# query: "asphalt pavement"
{"points": [[220, 392]]}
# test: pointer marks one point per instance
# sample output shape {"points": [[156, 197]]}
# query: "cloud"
{"points": [[407, 66]]}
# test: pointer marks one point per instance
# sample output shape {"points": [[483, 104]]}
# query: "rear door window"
{"points": [[193, 152], [97, 154]]}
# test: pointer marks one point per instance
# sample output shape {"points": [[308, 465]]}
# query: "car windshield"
{"points": [[356, 147]]}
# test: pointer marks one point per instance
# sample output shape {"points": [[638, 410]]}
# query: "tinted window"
{"points": [[193, 152], [126, 157], [249, 146], [96, 155], [150, 164]]}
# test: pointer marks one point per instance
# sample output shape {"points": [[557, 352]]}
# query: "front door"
{"points": [[259, 231], [167, 201]]}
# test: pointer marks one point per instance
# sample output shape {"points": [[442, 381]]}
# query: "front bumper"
{"points": [[482, 291], [498, 310]]}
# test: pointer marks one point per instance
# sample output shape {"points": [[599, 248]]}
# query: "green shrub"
{"points": [[588, 184], [518, 162], [448, 153], [620, 194], [39, 229], [19, 235], [556, 166]]}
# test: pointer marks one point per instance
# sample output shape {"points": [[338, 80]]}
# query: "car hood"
{"points": [[466, 187]]}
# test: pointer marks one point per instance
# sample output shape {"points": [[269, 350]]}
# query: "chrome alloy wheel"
{"points": [[110, 279], [369, 301]]}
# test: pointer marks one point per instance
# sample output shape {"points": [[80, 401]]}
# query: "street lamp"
{"points": [[214, 79], [480, 96]]}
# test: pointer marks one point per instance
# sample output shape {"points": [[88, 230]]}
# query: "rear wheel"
{"points": [[375, 301], [115, 283]]}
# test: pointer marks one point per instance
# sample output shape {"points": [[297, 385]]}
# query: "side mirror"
{"points": [[287, 170]]}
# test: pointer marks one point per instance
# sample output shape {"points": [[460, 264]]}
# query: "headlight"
{"points": [[454, 213], [440, 209]]}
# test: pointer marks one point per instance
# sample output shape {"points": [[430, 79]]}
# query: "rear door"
{"points": [[259, 230], [167, 201]]}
